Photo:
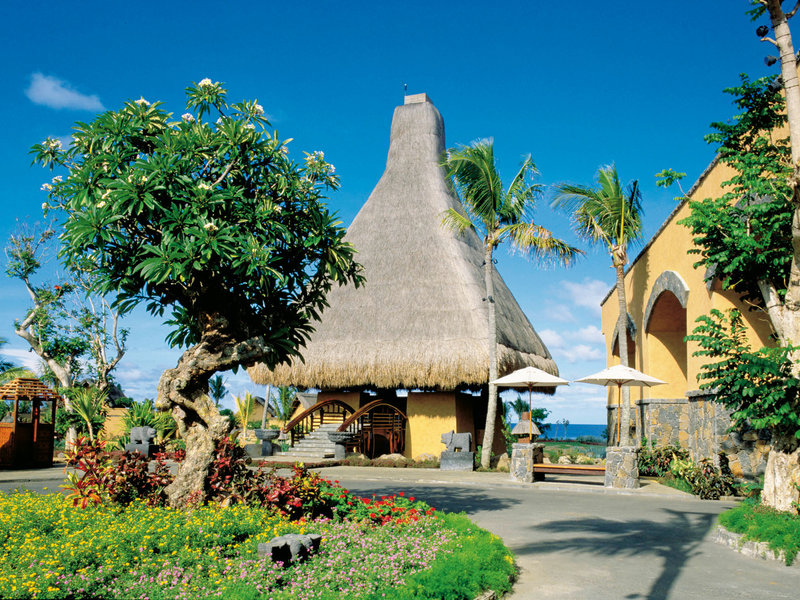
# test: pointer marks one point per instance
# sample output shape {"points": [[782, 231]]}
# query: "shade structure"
{"points": [[420, 319], [529, 377], [620, 375]]}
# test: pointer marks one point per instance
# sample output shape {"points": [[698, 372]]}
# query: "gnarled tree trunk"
{"points": [[184, 391]]}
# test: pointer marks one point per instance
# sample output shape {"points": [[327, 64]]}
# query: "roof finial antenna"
{"points": [[405, 89]]}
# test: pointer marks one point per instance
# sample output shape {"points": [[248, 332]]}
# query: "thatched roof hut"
{"points": [[420, 320]]}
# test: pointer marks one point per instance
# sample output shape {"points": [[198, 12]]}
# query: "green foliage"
{"points": [[48, 549], [244, 408], [216, 388], [757, 386], [90, 405], [608, 213], [654, 461], [282, 401], [744, 236], [495, 212], [706, 480], [759, 523], [209, 219], [144, 414], [465, 570]]}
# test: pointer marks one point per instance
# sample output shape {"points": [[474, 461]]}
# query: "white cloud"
{"points": [[551, 338], [26, 358], [590, 333], [587, 293], [583, 352], [56, 93], [557, 311]]}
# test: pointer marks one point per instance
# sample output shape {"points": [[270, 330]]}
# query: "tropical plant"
{"points": [[90, 405], [498, 214], [282, 401], [245, 405], [161, 203], [609, 214], [217, 389]]}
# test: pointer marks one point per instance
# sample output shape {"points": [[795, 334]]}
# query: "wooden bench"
{"points": [[555, 469]]}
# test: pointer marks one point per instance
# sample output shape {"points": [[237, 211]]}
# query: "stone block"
{"points": [[622, 467], [523, 456], [457, 461], [290, 548]]}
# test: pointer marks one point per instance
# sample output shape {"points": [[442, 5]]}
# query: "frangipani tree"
{"points": [[204, 217], [609, 214], [498, 214]]}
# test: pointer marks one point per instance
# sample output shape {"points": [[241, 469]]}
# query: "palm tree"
{"points": [[609, 214], [497, 214], [216, 389], [90, 405]]}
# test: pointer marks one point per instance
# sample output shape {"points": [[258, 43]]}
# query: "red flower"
{"points": [[401, 494], [411, 499]]}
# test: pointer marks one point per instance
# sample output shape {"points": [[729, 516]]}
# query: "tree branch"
{"points": [[774, 307], [792, 12], [771, 41]]}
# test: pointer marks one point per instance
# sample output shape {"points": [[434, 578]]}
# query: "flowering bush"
{"points": [[304, 495], [50, 549]]}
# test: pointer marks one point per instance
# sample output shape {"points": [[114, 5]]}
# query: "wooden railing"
{"points": [[378, 419], [325, 411]]}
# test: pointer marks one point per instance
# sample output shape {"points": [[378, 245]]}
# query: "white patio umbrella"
{"points": [[529, 377], [619, 376]]}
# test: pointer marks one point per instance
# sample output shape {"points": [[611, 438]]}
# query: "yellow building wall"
{"points": [[430, 414], [656, 351]]}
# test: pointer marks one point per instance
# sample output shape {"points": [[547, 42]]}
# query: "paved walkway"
{"points": [[572, 537], [575, 539]]}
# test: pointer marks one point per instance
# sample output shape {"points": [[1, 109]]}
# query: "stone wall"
{"points": [[665, 421], [709, 424], [700, 425]]}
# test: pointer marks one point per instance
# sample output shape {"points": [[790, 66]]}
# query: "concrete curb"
{"points": [[751, 548]]}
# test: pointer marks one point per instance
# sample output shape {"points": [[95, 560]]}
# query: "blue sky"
{"points": [[579, 87]]}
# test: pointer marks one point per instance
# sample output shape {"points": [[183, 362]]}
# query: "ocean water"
{"points": [[574, 430]]}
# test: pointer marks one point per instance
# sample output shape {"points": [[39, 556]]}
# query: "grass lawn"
{"points": [[761, 524]]}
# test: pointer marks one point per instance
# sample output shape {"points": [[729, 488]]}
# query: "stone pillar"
{"points": [[622, 467], [523, 456]]}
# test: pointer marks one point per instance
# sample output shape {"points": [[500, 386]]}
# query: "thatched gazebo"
{"points": [[420, 321]]}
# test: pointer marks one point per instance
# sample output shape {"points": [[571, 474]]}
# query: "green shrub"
{"points": [[474, 561], [762, 524], [654, 461]]}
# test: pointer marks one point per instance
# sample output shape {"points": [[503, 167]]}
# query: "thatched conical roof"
{"points": [[420, 320]]}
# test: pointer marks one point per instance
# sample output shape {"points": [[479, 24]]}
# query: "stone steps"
{"points": [[314, 445]]}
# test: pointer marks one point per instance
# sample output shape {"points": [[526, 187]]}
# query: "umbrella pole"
{"points": [[530, 415], [619, 410]]}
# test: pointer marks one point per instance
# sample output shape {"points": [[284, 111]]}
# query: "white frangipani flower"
{"points": [[206, 82], [259, 109], [204, 186], [142, 101], [46, 187], [188, 117], [210, 227]]}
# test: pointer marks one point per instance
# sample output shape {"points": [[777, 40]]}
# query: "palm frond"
{"points": [[475, 178], [606, 212], [455, 221], [539, 242]]}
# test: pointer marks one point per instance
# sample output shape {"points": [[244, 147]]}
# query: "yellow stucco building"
{"points": [[665, 295]]}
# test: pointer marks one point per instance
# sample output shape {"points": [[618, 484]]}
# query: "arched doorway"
{"points": [[666, 349]]}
